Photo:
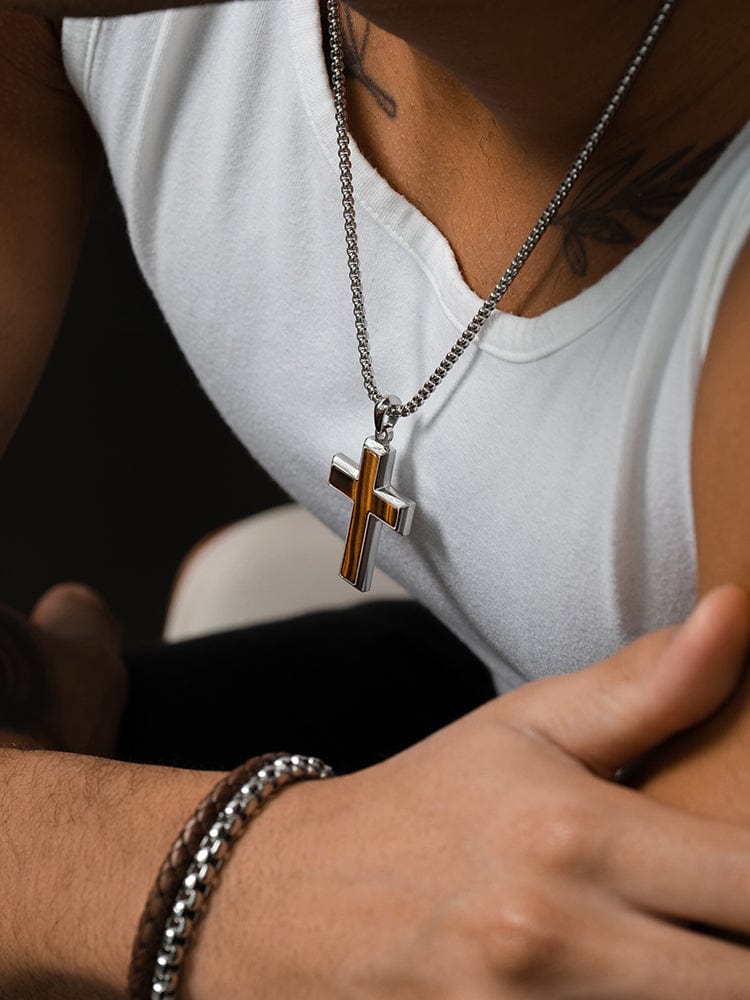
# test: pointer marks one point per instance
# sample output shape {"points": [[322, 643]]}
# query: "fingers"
{"points": [[75, 611], [587, 944], [24, 694], [87, 678], [679, 866], [659, 961], [612, 712], [573, 939]]}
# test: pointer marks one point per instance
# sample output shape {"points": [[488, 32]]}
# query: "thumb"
{"points": [[73, 611], [616, 710]]}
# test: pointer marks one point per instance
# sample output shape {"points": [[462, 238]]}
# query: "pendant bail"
{"points": [[385, 418]]}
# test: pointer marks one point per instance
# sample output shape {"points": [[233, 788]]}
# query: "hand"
{"points": [[65, 684], [497, 859]]}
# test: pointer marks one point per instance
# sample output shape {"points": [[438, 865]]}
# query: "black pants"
{"points": [[352, 686]]}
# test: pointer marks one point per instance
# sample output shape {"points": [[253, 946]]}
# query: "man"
{"points": [[490, 860]]}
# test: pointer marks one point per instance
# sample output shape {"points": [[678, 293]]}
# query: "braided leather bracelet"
{"points": [[171, 875], [193, 864]]}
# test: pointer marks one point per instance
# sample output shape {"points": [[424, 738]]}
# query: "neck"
{"points": [[474, 110], [543, 75]]}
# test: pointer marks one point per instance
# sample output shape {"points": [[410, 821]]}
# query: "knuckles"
{"points": [[565, 834], [517, 936], [529, 937]]}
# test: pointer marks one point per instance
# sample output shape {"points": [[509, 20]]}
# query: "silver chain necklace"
{"points": [[368, 485]]}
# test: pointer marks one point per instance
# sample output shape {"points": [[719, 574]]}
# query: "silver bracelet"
{"points": [[209, 859]]}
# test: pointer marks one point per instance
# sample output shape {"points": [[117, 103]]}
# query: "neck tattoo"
{"points": [[368, 484]]}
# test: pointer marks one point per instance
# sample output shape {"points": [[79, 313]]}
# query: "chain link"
{"points": [[338, 82], [274, 773]]}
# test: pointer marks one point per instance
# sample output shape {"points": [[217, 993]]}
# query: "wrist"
{"points": [[235, 957]]}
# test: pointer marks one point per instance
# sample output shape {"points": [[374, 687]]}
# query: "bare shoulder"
{"points": [[36, 97], [705, 769], [42, 120], [46, 131], [49, 170], [721, 441], [31, 45]]}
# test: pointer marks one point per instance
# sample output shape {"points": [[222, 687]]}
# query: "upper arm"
{"points": [[721, 441], [48, 173], [707, 769]]}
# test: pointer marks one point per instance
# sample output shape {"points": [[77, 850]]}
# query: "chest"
{"points": [[534, 467]]}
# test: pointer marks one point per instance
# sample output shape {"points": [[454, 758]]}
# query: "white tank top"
{"points": [[552, 467]]}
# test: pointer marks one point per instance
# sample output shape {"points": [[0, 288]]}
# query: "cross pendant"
{"points": [[375, 503]]}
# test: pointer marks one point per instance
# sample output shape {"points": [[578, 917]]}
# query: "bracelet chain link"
{"points": [[211, 855]]}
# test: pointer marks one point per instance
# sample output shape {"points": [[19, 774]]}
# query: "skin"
{"points": [[480, 143], [354, 869], [515, 124], [627, 871]]}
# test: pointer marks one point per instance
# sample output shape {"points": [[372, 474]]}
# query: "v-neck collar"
{"points": [[510, 337]]}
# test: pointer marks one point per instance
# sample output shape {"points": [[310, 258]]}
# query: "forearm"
{"points": [[81, 841]]}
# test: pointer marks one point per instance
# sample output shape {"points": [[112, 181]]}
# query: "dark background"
{"points": [[121, 463]]}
